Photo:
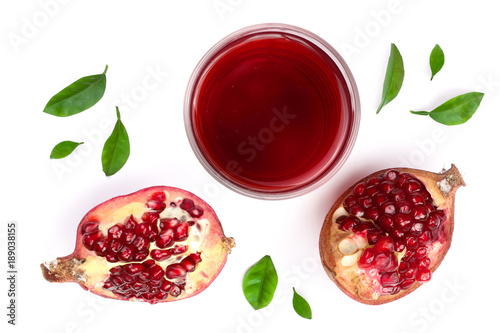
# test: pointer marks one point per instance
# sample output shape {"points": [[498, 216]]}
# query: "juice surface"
{"points": [[268, 112]]}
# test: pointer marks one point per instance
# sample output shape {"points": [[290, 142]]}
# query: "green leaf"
{"points": [[78, 96], [63, 149], [116, 149], [259, 283], [455, 111], [301, 306], [436, 60], [394, 76]]}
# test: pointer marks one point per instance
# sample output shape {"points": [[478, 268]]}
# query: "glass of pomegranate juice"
{"points": [[272, 111]]}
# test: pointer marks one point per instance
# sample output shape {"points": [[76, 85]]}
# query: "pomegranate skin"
{"points": [[207, 246], [352, 280]]}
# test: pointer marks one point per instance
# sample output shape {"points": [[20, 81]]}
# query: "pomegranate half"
{"points": [[387, 233], [159, 244]]}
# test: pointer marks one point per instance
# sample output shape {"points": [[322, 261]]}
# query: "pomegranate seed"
{"points": [[100, 247], [386, 223], [175, 290], [397, 195], [389, 279], [412, 186], [165, 286], [139, 256], [433, 221], [350, 200], [386, 187], [153, 234], [381, 260], [150, 217], [165, 239], [111, 257], [90, 239], [340, 219], [408, 256], [88, 227], [421, 252], [371, 190], [379, 199], [403, 267], [356, 210], [397, 234], [108, 285], [372, 213], [402, 222], [117, 280], [417, 229], [374, 181], [359, 189], [143, 277], [159, 196], [411, 242], [187, 204], [178, 249], [156, 272], [188, 264], [424, 238], [197, 211], [175, 271], [133, 269], [366, 258], [423, 275], [117, 270], [393, 265], [168, 224], [384, 244], [128, 236], [424, 263], [128, 278], [374, 235], [411, 272], [419, 213], [403, 177], [125, 254], [403, 207], [417, 199], [406, 283], [131, 223], [161, 295], [391, 290], [365, 202], [391, 175], [115, 246], [399, 246], [143, 229], [156, 205], [349, 223], [196, 257], [388, 207], [363, 226], [160, 255], [140, 244]]}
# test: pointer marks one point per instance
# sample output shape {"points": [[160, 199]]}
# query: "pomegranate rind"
{"points": [[90, 271], [442, 187]]}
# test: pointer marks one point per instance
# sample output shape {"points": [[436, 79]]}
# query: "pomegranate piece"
{"points": [[140, 247], [405, 217]]}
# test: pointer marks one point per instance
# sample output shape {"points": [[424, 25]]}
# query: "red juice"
{"points": [[271, 112]]}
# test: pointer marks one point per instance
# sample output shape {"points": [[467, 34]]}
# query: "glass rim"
{"points": [[349, 139]]}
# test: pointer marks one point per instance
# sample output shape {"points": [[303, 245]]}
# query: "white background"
{"points": [[71, 39]]}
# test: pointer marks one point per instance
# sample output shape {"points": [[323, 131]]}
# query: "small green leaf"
{"points": [[301, 306], [259, 283], [394, 76], [436, 60], [78, 96], [63, 149], [116, 148], [455, 111]]}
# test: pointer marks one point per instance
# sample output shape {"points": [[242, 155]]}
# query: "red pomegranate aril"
{"points": [[165, 286], [408, 256], [372, 213], [111, 257], [421, 252], [412, 186], [90, 239], [365, 202], [386, 223], [128, 236], [424, 263], [181, 232], [399, 246], [397, 234], [417, 199], [384, 244], [89, 227], [424, 238], [115, 246], [108, 285], [133, 269], [403, 177], [366, 258], [117, 270], [175, 290], [187, 204], [165, 239], [417, 228], [363, 226], [386, 187], [433, 221], [397, 195], [423, 275], [159, 196], [374, 235], [411, 242], [178, 249], [156, 205], [196, 256], [156, 272], [350, 200], [359, 189], [188, 264], [356, 210], [419, 213], [390, 290], [381, 260], [388, 208], [406, 283], [349, 223], [100, 247], [125, 254], [374, 181], [139, 256], [131, 223], [391, 175], [115, 232], [160, 255], [389, 279], [402, 222], [403, 207], [117, 280], [371, 190], [379, 199], [175, 271], [196, 212], [143, 229], [140, 244], [393, 265], [128, 278], [150, 217], [168, 224], [411, 272]]}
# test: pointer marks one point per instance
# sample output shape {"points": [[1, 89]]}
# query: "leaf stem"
{"points": [[421, 113], [105, 69]]}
